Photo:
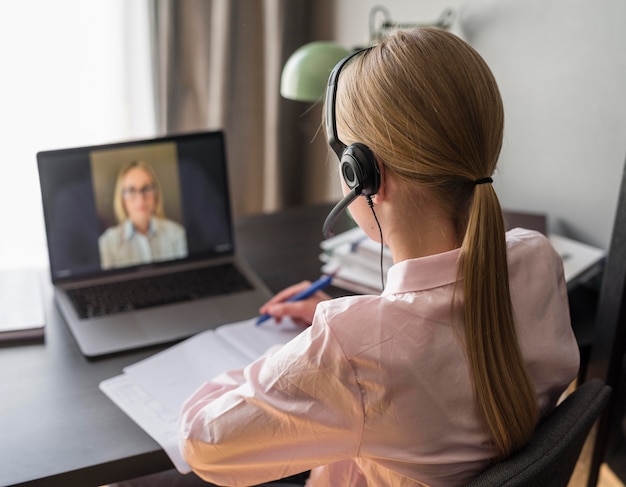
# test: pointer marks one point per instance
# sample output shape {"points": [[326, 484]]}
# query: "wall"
{"points": [[561, 67]]}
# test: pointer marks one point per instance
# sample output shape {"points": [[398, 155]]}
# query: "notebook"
{"points": [[141, 243]]}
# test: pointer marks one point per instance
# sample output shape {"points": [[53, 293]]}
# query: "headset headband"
{"points": [[331, 98]]}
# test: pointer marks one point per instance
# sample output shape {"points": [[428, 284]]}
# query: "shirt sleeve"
{"points": [[289, 411]]}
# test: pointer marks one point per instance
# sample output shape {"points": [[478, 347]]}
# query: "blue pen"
{"points": [[318, 285]]}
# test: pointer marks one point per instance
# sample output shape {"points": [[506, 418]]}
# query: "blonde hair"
{"points": [[118, 198], [429, 108]]}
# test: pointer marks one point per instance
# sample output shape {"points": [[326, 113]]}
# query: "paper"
{"points": [[21, 304], [252, 340], [577, 257], [151, 392], [355, 260], [174, 374], [155, 419]]}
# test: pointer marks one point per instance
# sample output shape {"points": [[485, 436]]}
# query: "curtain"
{"points": [[217, 65]]}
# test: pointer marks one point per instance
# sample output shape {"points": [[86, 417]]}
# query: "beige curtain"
{"points": [[217, 65]]}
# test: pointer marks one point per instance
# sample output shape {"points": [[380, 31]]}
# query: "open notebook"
{"points": [[140, 241], [152, 391]]}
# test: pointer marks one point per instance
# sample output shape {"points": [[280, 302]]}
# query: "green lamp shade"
{"points": [[306, 72]]}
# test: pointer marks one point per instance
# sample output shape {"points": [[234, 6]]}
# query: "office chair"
{"points": [[608, 347], [550, 456]]}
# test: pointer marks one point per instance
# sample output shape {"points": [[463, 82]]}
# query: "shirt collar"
{"points": [[129, 229], [423, 273]]}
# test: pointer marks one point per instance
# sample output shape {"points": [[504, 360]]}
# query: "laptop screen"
{"points": [[115, 207]]}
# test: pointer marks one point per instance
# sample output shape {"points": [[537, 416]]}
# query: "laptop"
{"points": [[141, 243]]}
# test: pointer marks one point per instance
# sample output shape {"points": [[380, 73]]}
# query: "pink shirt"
{"points": [[377, 391]]}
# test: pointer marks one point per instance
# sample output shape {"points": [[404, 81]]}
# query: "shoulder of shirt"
{"points": [[527, 237], [341, 310], [523, 233], [522, 241]]}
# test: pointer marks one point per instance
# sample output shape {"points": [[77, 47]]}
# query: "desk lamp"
{"points": [[306, 72]]}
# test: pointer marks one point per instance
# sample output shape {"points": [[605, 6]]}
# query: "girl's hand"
{"points": [[301, 312]]}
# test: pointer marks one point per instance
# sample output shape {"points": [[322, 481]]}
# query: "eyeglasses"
{"points": [[131, 193]]}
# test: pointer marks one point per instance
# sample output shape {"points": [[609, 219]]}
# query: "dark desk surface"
{"points": [[58, 429]]}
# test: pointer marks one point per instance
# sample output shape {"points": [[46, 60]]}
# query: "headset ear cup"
{"points": [[359, 169], [351, 172]]}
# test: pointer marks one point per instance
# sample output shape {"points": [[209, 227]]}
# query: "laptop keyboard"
{"points": [[106, 299]]}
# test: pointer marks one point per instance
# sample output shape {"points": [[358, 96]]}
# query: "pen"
{"points": [[318, 285]]}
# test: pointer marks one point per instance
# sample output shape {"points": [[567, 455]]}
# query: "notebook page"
{"points": [[253, 341], [156, 420], [171, 376]]}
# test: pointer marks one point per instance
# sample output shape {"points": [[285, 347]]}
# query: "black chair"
{"points": [[550, 456], [607, 360]]}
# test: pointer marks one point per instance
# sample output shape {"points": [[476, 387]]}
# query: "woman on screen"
{"points": [[143, 233]]}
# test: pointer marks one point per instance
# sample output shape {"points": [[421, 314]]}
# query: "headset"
{"points": [[357, 162]]}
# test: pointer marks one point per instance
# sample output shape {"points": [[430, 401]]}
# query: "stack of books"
{"points": [[355, 261]]}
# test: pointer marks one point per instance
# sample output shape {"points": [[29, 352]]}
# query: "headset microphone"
{"points": [[334, 214]]}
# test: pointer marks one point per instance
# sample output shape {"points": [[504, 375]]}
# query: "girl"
{"points": [[467, 347]]}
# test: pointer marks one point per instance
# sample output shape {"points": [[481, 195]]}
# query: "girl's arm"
{"points": [[286, 413]]}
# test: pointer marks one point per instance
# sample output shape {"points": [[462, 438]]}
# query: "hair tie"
{"points": [[483, 181]]}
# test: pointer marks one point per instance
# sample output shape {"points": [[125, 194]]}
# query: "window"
{"points": [[74, 72]]}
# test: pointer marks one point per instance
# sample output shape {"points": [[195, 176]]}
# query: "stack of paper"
{"points": [[355, 261], [153, 390], [580, 261]]}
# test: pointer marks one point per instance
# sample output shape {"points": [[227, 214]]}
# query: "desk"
{"points": [[58, 429]]}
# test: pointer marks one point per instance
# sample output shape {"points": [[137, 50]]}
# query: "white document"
{"points": [[152, 391], [577, 257], [22, 313], [156, 420]]}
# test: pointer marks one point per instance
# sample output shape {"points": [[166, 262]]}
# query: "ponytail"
{"points": [[503, 390]]}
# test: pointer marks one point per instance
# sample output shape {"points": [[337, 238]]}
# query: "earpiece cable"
{"points": [[380, 231]]}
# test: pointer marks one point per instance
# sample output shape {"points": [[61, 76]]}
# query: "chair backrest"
{"points": [[608, 349], [551, 454]]}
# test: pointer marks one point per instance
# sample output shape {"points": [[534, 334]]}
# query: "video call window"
{"points": [[126, 205], [137, 198]]}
